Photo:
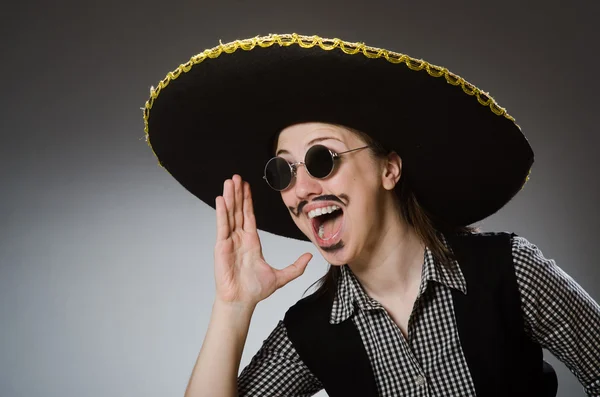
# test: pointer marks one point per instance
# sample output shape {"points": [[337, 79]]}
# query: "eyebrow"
{"points": [[324, 138]]}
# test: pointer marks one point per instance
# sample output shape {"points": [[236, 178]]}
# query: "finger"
{"points": [[238, 201], [223, 229], [249, 219], [293, 271], [228, 196]]}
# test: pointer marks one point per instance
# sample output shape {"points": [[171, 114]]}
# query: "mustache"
{"points": [[328, 197]]}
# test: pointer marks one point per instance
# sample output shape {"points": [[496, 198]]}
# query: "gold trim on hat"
{"points": [[286, 40]]}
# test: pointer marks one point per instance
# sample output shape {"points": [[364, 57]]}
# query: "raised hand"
{"points": [[241, 273]]}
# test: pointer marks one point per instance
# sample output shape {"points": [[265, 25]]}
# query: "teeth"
{"points": [[321, 211], [322, 231]]}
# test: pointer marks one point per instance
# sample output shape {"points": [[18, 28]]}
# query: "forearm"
{"points": [[216, 370]]}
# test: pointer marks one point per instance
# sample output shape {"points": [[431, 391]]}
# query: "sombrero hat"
{"points": [[218, 114]]}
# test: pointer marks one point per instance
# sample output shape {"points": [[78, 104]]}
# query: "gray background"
{"points": [[106, 278]]}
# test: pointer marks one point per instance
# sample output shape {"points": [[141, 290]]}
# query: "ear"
{"points": [[392, 170]]}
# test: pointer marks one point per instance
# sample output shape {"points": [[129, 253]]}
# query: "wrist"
{"points": [[233, 308]]}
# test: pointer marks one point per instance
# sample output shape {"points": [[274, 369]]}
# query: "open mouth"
{"points": [[326, 227]]}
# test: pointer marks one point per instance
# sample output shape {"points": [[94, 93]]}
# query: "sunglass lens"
{"points": [[319, 161], [278, 173]]}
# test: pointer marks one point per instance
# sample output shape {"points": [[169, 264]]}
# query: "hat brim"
{"points": [[218, 115]]}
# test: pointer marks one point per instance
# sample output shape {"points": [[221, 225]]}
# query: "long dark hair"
{"points": [[427, 228]]}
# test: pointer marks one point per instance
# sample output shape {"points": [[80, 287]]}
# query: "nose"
{"points": [[305, 185]]}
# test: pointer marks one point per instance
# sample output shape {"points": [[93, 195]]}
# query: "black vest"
{"points": [[502, 360]]}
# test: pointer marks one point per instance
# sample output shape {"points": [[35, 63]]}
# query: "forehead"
{"points": [[299, 136]]}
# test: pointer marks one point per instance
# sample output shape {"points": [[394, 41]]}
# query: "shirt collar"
{"points": [[350, 294]]}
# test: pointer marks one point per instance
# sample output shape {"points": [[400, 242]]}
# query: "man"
{"points": [[382, 161]]}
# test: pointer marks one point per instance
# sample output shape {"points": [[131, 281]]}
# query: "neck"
{"points": [[392, 264]]}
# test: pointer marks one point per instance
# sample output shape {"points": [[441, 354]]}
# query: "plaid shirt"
{"points": [[558, 314]]}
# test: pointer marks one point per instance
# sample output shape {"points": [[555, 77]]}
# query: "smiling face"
{"points": [[346, 213]]}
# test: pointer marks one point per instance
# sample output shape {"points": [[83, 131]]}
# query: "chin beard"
{"points": [[337, 246]]}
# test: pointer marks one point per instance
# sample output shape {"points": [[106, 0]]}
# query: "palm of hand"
{"points": [[244, 274], [241, 273]]}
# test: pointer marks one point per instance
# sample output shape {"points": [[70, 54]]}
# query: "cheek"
{"points": [[359, 179], [348, 178], [288, 200]]}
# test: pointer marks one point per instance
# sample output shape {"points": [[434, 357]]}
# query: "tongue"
{"points": [[330, 226]]}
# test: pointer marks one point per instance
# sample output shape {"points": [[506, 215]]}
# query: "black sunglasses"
{"points": [[319, 162]]}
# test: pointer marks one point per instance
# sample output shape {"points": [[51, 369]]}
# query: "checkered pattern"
{"points": [[558, 314]]}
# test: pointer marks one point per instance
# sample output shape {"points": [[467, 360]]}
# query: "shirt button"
{"points": [[420, 380]]}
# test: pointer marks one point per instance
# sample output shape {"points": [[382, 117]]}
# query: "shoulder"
{"points": [[540, 279], [479, 245], [478, 238], [308, 307], [529, 261], [524, 251], [526, 256]]}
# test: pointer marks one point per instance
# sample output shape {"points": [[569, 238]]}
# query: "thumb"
{"points": [[294, 270]]}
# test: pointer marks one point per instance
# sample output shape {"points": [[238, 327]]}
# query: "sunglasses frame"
{"points": [[294, 166]]}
